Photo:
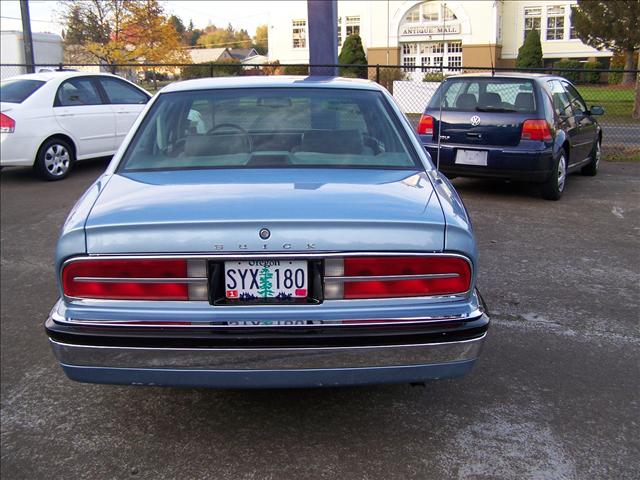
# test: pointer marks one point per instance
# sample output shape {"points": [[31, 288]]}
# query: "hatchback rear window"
{"points": [[17, 91], [272, 127], [485, 95]]}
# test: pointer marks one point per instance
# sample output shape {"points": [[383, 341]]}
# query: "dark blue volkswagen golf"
{"points": [[524, 127]]}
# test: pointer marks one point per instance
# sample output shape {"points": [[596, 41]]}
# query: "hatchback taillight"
{"points": [[135, 279], [7, 124], [536, 130], [425, 125], [396, 276]]}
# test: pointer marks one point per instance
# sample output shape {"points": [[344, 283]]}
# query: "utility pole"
{"points": [[27, 40], [323, 36]]}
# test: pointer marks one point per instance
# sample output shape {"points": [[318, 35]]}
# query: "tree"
{"points": [[352, 53], [611, 24], [530, 53], [122, 31], [261, 39], [214, 37]]}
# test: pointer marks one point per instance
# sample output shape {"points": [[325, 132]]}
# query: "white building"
{"points": [[468, 33]]}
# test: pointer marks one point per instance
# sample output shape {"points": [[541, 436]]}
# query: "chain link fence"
{"points": [[411, 86]]}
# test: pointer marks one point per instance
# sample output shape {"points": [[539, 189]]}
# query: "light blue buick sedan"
{"points": [[268, 232]]}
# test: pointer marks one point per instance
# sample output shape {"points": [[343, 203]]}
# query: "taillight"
{"points": [[7, 124], [135, 279], [536, 130], [396, 276], [425, 125]]}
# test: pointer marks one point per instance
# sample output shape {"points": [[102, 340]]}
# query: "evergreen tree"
{"points": [[530, 53], [352, 53]]}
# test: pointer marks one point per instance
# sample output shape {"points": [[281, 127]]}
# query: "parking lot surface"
{"points": [[555, 395]]}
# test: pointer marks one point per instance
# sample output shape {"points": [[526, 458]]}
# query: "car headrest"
{"points": [[332, 141], [524, 101], [490, 99], [466, 101]]}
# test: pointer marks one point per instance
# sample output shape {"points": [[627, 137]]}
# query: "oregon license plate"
{"points": [[265, 279], [472, 157]]}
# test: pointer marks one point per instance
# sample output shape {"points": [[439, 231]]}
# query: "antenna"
{"points": [[493, 69], [444, 24]]}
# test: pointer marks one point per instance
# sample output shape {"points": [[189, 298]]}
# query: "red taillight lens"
{"points": [[425, 125], [388, 277], [536, 130], [7, 124], [126, 279]]}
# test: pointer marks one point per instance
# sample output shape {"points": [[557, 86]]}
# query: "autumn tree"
{"points": [[261, 39], [611, 24], [122, 31], [215, 37]]}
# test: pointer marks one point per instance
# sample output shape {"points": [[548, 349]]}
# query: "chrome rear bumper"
{"points": [[267, 367]]}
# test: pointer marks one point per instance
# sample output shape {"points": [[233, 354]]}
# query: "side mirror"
{"points": [[596, 110]]}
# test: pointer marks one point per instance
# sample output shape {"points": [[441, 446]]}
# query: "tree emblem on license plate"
{"points": [[265, 285]]}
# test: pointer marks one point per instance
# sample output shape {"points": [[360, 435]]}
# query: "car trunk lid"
{"points": [[480, 127], [223, 210]]}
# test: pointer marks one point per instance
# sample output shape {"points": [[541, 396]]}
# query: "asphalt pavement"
{"points": [[555, 394]]}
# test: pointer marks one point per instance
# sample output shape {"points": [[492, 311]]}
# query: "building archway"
{"points": [[430, 35]]}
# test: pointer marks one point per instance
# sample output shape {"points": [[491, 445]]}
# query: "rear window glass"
{"points": [[275, 127], [485, 95], [17, 91]]}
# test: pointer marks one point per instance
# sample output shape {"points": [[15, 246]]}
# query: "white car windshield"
{"points": [[270, 128]]}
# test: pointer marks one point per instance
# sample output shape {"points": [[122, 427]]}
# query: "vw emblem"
{"points": [[264, 233], [475, 120]]}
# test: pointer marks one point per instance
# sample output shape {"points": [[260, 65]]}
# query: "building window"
{"points": [[430, 12], [409, 62], [447, 14], [299, 34], [572, 30], [555, 23], [409, 48], [339, 31], [413, 16], [454, 47], [352, 26], [532, 19]]}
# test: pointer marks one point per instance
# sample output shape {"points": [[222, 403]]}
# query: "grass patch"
{"points": [[621, 153], [616, 100]]}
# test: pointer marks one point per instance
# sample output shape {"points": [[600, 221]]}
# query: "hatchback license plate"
{"points": [[472, 157], [265, 279]]}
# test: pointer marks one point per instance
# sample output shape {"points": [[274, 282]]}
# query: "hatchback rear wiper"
{"points": [[494, 109]]}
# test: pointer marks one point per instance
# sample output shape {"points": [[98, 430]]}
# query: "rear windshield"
{"points": [[17, 91], [485, 95], [273, 127]]}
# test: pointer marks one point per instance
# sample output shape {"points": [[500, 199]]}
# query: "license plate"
{"points": [[472, 157], [265, 279]]}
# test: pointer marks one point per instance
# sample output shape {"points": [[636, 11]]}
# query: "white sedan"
{"points": [[49, 120]]}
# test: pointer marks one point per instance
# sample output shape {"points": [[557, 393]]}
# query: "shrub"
{"points": [[296, 70], [222, 68], [591, 77], [272, 68], [352, 53], [617, 63], [388, 75], [433, 77], [563, 65], [530, 53]]}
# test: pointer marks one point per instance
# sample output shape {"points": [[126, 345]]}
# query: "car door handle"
{"points": [[66, 115]]}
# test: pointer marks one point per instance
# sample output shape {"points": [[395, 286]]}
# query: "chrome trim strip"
{"points": [[61, 320], [140, 280], [267, 358], [390, 278]]}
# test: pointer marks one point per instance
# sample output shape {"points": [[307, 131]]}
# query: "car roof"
{"points": [[275, 81], [511, 75], [47, 75]]}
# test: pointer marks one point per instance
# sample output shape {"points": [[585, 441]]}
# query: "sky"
{"points": [[241, 14]]}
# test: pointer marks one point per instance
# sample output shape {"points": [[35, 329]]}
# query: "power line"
{"points": [[33, 19]]}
